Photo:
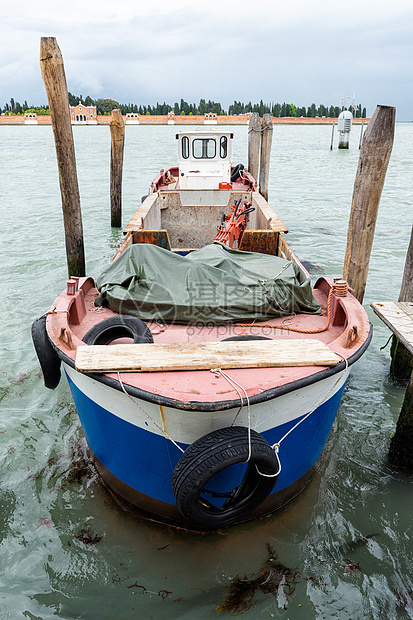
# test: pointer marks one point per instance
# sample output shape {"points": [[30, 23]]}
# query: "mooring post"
{"points": [[254, 144], [400, 451], [266, 141], [406, 290], [361, 134], [54, 78], [332, 136], [401, 358], [371, 172], [398, 316], [117, 134]]}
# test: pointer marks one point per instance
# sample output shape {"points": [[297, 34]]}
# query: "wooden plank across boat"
{"points": [[204, 356]]}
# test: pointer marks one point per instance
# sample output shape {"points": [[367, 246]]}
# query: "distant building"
{"points": [[83, 115], [30, 118], [132, 118], [210, 119]]}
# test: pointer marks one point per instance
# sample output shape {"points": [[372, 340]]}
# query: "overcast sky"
{"points": [[301, 52]]}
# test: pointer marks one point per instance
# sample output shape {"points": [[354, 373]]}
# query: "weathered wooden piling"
{"points": [[254, 144], [266, 141], [361, 135], [406, 290], [332, 136], [117, 134], [401, 445], [371, 172], [401, 358], [54, 78], [398, 316]]}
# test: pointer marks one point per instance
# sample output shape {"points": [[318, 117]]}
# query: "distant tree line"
{"points": [[105, 107], [291, 110], [14, 107]]}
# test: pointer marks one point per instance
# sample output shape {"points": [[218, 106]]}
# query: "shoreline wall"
{"points": [[179, 120]]}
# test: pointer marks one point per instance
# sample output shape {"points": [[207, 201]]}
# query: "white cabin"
{"points": [[204, 158]]}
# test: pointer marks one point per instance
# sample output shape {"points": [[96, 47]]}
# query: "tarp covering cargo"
{"points": [[213, 284]]}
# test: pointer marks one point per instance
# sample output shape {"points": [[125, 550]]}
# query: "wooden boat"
{"points": [[204, 412]]}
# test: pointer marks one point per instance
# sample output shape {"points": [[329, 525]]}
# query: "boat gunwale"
{"points": [[223, 405]]}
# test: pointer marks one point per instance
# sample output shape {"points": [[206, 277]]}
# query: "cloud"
{"points": [[159, 51]]}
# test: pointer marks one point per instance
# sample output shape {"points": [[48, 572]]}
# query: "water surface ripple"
{"points": [[67, 550]]}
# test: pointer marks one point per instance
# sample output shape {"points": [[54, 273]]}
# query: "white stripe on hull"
{"points": [[185, 426]]}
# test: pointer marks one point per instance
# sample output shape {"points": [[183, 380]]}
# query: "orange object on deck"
{"points": [[231, 227]]}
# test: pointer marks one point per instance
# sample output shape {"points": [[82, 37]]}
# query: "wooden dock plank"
{"points": [[204, 356], [398, 316]]}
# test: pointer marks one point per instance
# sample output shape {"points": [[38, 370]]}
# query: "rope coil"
{"points": [[339, 289]]}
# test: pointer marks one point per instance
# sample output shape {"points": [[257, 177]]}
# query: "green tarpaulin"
{"points": [[213, 284]]}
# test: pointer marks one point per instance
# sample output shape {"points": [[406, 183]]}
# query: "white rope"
{"points": [[54, 311], [236, 385], [163, 431], [239, 388], [279, 467], [276, 446]]}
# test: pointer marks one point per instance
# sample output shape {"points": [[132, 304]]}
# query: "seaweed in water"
{"points": [[404, 599], [80, 468], [351, 567], [162, 593], [241, 591], [79, 471], [88, 537]]}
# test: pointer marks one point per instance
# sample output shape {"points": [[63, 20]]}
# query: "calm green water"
{"points": [[51, 507]]}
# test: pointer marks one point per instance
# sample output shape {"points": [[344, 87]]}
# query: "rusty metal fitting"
{"points": [[76, 280], [340, 288], [71, 287]]}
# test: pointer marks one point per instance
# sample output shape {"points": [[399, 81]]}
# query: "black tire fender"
{"points": [[235, 174], [47, 355], [119, 326], [210, 455]]}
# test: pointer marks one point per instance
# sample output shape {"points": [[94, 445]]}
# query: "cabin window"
{"points": [[185, 147], [204, 148], [223, 147]]}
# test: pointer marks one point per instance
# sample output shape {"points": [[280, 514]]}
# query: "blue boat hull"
{"points": [[137, 461]]}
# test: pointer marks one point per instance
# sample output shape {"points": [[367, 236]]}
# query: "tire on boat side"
{"points": [[210, 455], [119, 326], [48, 358], [236, 172]]}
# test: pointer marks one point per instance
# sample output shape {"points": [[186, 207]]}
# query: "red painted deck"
{"points": [[73, 315]]}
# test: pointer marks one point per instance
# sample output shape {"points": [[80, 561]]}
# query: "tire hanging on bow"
{"points": [[48, 358], [213, 453]]}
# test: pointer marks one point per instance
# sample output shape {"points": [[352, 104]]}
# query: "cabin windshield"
{"points": [[204, 148]]}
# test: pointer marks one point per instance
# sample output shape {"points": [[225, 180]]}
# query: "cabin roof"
{"points": [[204, 131]]}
